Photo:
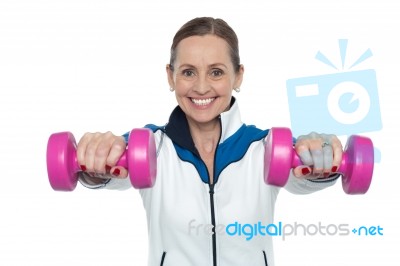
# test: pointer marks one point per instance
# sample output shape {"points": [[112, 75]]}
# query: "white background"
{"points": [[82, 65]]}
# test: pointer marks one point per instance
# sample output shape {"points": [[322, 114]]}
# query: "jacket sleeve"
{"points": [[306, 186], [111, 183]]}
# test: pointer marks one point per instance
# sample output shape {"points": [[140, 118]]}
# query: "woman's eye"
{"points": [[188, 73], [217, 73]]}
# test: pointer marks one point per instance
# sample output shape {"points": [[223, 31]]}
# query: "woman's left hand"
{"points": [[321, 155]]}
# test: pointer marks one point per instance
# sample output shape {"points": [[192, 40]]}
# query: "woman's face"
{"points": [[204, 77]]}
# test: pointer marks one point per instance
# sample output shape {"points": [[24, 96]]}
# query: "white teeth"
{"points": [[202, 102]]}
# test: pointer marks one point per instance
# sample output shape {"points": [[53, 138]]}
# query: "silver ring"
{"points": [[325, 144]]}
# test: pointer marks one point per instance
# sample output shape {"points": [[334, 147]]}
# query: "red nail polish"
{"points": [[83, 168], [305, 171], [326, 174], [108, 168], [116, 172], [334, 168]]}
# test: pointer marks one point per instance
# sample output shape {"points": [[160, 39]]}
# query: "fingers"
{"points": [[337, 149], [98, 153], [303, 151], [119, 172], [81, 150], [302, 171], [118, 147], [321, 155], [318, 158], [327, 152]]}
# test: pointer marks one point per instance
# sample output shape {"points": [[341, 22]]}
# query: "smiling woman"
{"points": [[210, 165], [203, 77]]}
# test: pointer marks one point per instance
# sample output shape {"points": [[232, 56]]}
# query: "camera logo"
{"points": [[342, 103]]}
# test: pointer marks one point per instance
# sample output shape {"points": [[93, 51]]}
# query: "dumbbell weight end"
{"points": [[62, 165]]}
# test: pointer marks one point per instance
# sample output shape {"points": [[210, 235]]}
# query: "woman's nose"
{"points": [[202, 85]]}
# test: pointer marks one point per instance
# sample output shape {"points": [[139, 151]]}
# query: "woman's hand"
{"points": [[321, 155], [98, 154]]}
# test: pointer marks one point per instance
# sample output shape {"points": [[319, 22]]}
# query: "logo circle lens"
{"points": [[359, 93]]}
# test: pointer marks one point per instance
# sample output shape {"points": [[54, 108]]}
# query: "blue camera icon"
{"points": [[343, 103]]}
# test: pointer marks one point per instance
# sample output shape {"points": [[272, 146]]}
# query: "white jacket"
{"points": [[193, 223]]}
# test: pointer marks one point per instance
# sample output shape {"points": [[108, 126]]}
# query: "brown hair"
{"points": [[207, 25]]}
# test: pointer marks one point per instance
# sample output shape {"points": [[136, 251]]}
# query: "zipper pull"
{"points": [[211, 188]]}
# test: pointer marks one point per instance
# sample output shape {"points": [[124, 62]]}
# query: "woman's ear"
{"points": [[239, 77], [170, 75]]}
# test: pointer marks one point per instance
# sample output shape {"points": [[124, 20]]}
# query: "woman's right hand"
{"points": [[98, 154]]}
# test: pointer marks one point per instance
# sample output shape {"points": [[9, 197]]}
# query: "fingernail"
{"points": [[108, 168], [83, 168], [305, 171], [334, 168], [326, 174], [116, 172]]}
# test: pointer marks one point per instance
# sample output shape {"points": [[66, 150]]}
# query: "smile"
{"points": [[202, 102]]}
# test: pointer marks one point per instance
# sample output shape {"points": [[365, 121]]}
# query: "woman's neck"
{"points": [[205, 135]]}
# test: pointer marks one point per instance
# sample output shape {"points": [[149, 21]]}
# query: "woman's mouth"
{"points": [[202, 102]]}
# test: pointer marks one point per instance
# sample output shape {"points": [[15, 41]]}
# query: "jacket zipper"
{"points": [[214, 235], [265, 258], [162, 258]]}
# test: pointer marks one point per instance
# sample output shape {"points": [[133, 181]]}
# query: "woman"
{"points": [[210, 164]]}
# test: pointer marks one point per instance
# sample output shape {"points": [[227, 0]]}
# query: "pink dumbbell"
{"points": [[356, 167], [139, 158]]}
